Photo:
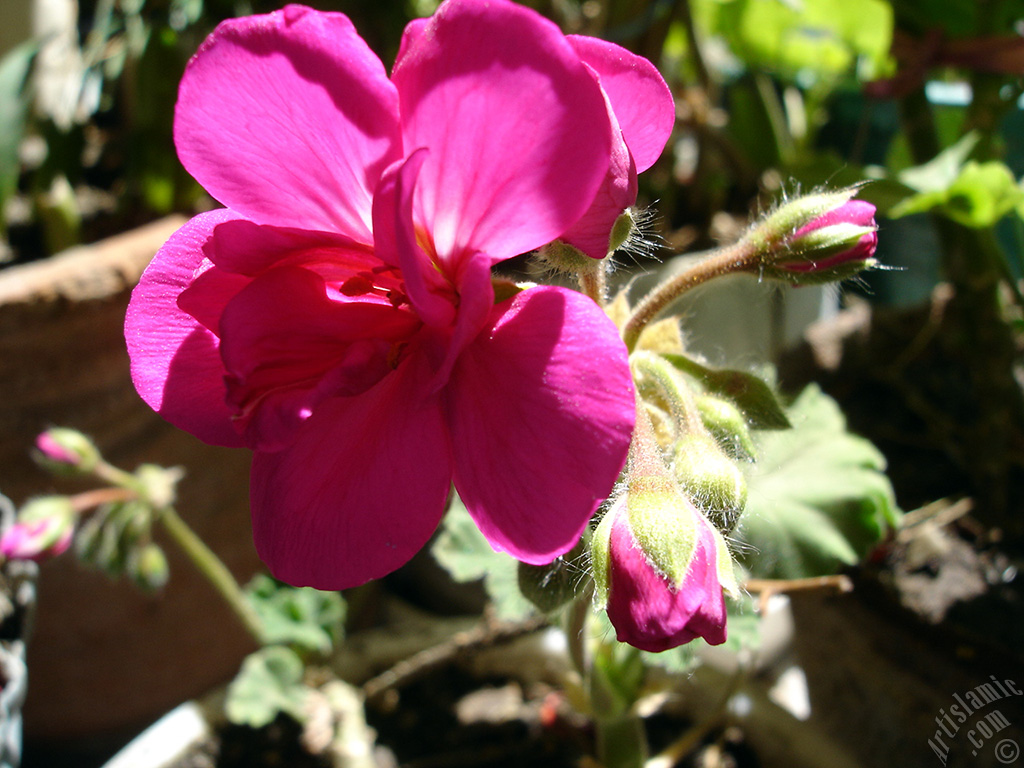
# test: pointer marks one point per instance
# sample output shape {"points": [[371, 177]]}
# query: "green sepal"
{"points": [[755, 399], [663, 524], [819, 244], [600, 557], [789, 217], [845, 270], [551, 586]]}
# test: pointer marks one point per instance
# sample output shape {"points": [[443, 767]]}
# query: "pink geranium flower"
{"points": [[338, 316]]}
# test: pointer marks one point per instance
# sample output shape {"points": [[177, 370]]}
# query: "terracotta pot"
{"points": [[105, 660]]}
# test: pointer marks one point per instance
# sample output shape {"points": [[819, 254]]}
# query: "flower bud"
{"points": [[728, 426], [622, 230], [709, 477], [551, 586], [652, 609], [817, 239], [659, 565], [66, 451], [44, 528], [567, 259], [147, 567]]}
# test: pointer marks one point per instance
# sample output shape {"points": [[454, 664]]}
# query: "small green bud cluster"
{"points": [[110, 528], [118, 539], [707, 437]]}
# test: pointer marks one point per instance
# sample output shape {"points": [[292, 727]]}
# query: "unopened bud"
{"points": [[649, 608], [817, 239], [551, 586], [147, 567], [567, 259], [728, 426], [44, 528], [713, 480], [66, 451]]}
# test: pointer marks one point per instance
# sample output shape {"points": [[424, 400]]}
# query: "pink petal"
{"points": [[412, 32], [360, 492], [210, 291], [638, 94], [541, 409], [431, 296], [175, 361], [286, 345], [592, 233], [289, 118], [247, 248], [516, 127]]}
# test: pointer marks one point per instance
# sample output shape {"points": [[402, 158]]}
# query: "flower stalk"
{"points": [[738, 257], [213, 568]]}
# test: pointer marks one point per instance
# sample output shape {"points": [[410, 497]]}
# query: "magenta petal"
{"points": [[430, 295], [592, 233], [175, 361], [516, 126], [641, 100], [290, 119], [286, 345], [360, 492], [412, 32], [209, 293], [247, 248], [541, 409]]}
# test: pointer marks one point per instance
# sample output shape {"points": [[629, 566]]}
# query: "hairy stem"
{"points": [[738, 257]]}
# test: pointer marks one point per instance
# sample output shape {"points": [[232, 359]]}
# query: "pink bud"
{"points": [[37, 539], [854, 246], [52, 449], [66, 451], [646, 608]]}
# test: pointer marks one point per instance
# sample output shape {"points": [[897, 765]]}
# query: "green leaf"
{"points": [[463, 551], [750, 393], [269, 683], [823, 38], [14, 68], [979, 196], [941, 171], [818, 498], [303, 617]]}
